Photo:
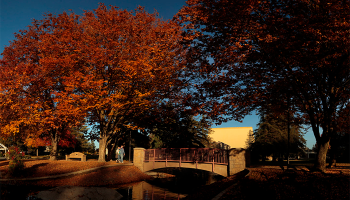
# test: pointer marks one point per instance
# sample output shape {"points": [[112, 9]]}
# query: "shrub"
{"points": [[16, 165]]}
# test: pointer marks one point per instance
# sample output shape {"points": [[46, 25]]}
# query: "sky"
{"points": [[16, 15]]}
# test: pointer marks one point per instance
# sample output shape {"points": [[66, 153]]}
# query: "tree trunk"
{"points": [[320, 164], [54, 145], [274, 157], [102, 149], [332, 162], [111, 151], [334, 149], [333, 155]]}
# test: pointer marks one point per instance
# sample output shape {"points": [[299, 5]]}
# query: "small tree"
{"points": [[16, 164]]}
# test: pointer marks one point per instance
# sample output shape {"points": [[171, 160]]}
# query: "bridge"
{"points": [[219, 161]]}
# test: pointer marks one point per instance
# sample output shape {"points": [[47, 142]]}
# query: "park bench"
{"points": [[76, 155]]}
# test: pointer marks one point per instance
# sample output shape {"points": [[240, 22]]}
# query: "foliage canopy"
{"points": [[108, 66], [252, 54]]}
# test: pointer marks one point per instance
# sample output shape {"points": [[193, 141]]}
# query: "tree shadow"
{"points": [[6, 162], [29, 171]]}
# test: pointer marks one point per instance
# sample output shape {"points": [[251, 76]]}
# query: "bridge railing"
{"points": [[195, 155]]}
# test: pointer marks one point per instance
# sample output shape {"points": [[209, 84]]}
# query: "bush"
{"points": [[16, 165]]}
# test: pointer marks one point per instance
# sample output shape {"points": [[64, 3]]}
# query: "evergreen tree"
{"points": [[178, 129], [82, 144], [271, 137]]}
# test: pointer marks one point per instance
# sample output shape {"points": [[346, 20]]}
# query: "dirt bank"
{"points": [[111, 173]]}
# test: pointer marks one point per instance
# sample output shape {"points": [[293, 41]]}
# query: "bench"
{"points": [[76, 155]]}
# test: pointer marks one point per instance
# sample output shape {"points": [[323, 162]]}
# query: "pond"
{"points": [[146, 191], [169, 184]]}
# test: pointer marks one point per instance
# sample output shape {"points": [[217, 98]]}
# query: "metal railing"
{"points": [[195, 155]]}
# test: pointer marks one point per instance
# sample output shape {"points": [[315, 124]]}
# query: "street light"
{"points": [[288, 130], [129, 144]]}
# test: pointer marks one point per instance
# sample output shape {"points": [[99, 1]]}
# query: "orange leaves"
{"points": [[64, 68], [131, 58], [36, 142], [39, 62], [129, 47]]}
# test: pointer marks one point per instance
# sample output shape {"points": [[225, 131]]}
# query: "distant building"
{"points": [[3, 151], [235, 137], [310, 154]]}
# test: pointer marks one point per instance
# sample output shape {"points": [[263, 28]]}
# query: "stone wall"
{"points": [[239, 159]]}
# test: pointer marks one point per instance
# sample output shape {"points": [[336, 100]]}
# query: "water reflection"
{"points": [[169, 184], [139, 191], [146, 191]]}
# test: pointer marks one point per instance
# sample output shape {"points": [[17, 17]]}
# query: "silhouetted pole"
{"points": [[288, 130], [129, 145]]}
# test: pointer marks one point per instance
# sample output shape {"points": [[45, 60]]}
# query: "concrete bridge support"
{"points": [[139, 157], [239, 159]]}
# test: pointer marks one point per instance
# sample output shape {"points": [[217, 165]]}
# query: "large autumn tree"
{"points": [[131, 63], [251, 54], [108, 66], [35, 100]]}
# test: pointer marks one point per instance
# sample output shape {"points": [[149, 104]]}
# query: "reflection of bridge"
{"points": [[219, 161], [144, 190]]}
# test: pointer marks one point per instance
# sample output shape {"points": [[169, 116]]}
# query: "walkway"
{"points": [[63, 175]]}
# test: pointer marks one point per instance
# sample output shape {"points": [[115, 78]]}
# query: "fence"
{"points": [[195, 155]]}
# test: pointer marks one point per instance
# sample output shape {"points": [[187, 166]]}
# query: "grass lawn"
{"points": [[271, 182], [297, 183]]}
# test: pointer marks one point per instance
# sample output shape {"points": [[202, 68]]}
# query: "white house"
{"points": [[3, 150]]}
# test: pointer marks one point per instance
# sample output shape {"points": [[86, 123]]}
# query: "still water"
{"points": [[178, 185], [146, 191], [168, 185]]}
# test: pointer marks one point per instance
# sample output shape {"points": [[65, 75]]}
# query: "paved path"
{"points": [[75, 192], [62, 175], [222, 193]]}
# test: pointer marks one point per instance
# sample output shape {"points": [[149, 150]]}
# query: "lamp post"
{"points": [[288, 130], [129, 144]]}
